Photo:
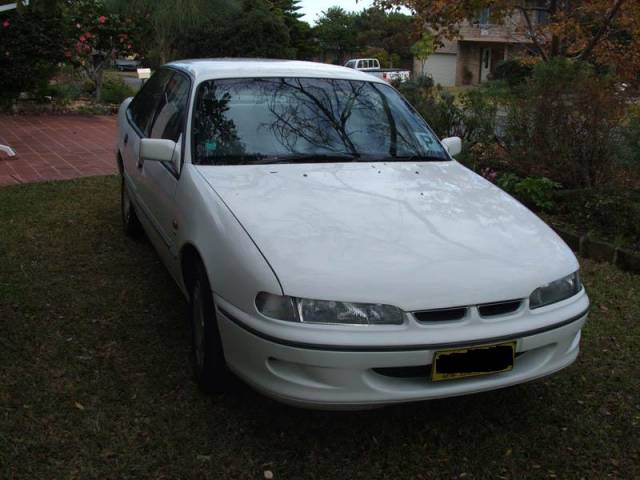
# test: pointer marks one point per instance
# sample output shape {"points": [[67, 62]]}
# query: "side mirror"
{"points": [[453, 145], [157, 150]]}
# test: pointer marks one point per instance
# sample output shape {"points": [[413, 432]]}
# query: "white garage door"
{"points": [[442, 68]]}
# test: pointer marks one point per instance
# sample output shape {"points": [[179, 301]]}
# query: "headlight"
{"points": [[326, 312], [556, 291]]}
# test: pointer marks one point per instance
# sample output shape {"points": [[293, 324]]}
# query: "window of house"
{"points": [[485, 16]]}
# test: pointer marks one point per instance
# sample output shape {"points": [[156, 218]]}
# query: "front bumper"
{"points": [[322, 377]]}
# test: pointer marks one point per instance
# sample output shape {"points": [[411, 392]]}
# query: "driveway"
{"points": [[56, 147]]}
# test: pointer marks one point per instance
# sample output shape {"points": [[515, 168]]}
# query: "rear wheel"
{"points": [[130, 221], [208, 360]]}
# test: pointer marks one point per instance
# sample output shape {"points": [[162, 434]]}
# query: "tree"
{"points": [[388, 32], [98, 38], [300, 36], [602, 32], [32, 40], [169, 21], [336, 33], [424, 48], [256, 30]]}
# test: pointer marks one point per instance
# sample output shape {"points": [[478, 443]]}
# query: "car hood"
{"points": [[414, 235]]}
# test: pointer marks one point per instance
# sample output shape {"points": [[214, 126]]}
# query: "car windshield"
{"points": [[300, 120]]}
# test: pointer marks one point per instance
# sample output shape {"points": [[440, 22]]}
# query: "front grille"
{"points": [[442, 315], [502, 308]]}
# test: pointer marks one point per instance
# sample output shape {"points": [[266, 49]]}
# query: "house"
{"points": [[481, 46]]}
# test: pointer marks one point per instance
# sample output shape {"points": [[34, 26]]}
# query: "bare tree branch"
{"points": [[532, 33], [586, 53]]}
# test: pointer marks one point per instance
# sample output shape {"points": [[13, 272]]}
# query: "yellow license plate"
{"points": [[473, 361]]}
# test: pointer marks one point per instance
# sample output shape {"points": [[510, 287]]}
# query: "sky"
{"points": [[311, 8]]}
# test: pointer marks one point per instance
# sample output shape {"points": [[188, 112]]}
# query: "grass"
{"points": [[95, 380]]}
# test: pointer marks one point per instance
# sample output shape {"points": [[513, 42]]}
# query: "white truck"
{"points": [[372, 67]]}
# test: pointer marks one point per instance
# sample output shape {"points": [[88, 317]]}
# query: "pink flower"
{"points": [[102, 19], [87, 35], [6, 24], [78, 25], [129, 46], [83, 38]]}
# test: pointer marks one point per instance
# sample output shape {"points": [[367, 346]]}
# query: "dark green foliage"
{"points": [[470, 116], [254, 31], [115, 91], [535, 192], [514, 72], [564, 122], [612, 213], [370, 33], [336, 34], [31, 45]]}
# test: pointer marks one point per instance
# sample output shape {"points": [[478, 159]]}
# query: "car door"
{"points": [[160, 179], [140, 115]]}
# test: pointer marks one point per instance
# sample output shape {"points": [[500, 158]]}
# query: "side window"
{"points": [[172, 109], [144, 105], [360, 64]]}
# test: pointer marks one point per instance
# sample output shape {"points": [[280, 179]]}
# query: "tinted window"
{"points": [[303, 119], [144, 105], [171, 109]]}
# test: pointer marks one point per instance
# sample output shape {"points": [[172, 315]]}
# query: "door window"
{"points": [[144, 106], [171, 109]]}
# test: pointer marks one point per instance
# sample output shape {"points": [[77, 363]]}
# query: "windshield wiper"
{"points": [[402, 158], [307, 158]]}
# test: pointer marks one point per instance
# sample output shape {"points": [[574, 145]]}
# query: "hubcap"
{"points": [[198, 325]]}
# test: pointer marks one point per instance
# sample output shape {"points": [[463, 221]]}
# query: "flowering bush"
{"points": [[99, 38]]}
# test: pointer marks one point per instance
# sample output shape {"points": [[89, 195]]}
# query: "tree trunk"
{"points": [[99, 79]]}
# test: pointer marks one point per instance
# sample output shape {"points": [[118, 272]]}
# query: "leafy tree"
{"points": [[301, 41], [256, 30], [98, 38], [32, 40], [169, 21], [390, 32], [605, 32], [424, 48], [336, 33]]}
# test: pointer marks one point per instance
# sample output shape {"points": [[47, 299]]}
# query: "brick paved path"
{"points": [[56, 147]]}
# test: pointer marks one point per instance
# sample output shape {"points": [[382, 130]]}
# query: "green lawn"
{"points": [[95, 380]]}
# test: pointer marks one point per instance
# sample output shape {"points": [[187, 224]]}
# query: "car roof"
{"points": [[214, 68]]}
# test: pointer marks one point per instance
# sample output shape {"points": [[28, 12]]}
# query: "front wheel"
{"points": [[208, 360]]}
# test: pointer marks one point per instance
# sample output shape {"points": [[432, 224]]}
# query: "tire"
{"points": [[207, 356], [130, 222]]}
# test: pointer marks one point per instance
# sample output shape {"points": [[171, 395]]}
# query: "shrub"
{"points": [[612, 213], [563, 123], [115, 91], [470, 116], [535, 192], [32, 44], [513, 72]]}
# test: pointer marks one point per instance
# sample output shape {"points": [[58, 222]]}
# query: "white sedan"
{"points": [[332, 251]]}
